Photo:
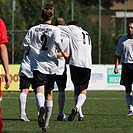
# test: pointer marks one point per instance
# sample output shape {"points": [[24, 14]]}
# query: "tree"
{"points": [[28, 12], [105, 3], [6, 14], [31, 11]]}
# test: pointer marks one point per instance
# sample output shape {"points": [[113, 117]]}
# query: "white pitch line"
{"points": [[93, 98]]}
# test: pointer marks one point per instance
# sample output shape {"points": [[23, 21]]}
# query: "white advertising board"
{"points": [[102, 78]]}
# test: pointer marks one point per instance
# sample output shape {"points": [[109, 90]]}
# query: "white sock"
{"points": [[129, 99], [40, 100], [80, 102], [61, 102], [80, 114], [48, 106], [22, 103]]}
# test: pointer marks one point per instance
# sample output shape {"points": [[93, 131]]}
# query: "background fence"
{"points": [[106, 22]]}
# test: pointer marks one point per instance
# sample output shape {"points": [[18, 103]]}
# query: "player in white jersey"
{"points": [[26, 79], [124, 52], [80, 65], [43, 40], [61, 74]]}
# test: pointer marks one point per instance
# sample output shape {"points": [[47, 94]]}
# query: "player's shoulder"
{"points": [[41, 27], [86, 32], [67, 26], [73, 27], [53, 28], [33, 28], [123, 38]]}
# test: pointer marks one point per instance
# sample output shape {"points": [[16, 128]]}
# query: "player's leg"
{"points": [[61, 103], [35, 92], [36, 100], [24, 87], [39, 82], [79, 99], [40, 100], [80, 102], [49, 107], [129, 99], [126, 80], [61, 83], [49, 86], [84, 78], [1, 123], [80, 78], [80, 114], [75, 81]]}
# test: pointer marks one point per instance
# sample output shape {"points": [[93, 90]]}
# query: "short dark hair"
{"points": [[74, 22], [60, 21]]}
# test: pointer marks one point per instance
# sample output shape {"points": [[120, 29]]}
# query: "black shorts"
{"points": [[61, 80], [50, 82], [127, 74], [39, 78], [80, 76], [25, 83]]}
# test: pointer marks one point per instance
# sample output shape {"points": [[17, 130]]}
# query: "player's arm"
{"points": [[26, 41], [117, 60], [61, 53], [4, 61], [59, 46]]}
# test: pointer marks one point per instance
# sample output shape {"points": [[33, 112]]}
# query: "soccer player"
{"points": [[80, 65], [4, 53], [61, 74], [44, 39], [124, 52], [4, 61], [26, 79]]}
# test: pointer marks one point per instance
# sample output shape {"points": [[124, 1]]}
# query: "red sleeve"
{"points": [[3, 33]]}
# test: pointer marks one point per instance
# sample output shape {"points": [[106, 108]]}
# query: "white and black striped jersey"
{"points": [[41, 41], [125, 49], [80, 46]]}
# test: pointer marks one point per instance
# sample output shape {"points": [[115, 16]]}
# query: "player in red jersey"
{"points": [[4, 61]]}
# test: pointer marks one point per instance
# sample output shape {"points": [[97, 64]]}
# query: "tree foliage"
{"points": [[19, 23], [30, 9], [105, 3], [27, 12]]}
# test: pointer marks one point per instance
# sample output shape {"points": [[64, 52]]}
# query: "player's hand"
{"points": [[66, 54], [8, 81], [116, 70]]}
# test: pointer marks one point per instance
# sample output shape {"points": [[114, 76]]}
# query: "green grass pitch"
{"points": [[105, 112]]}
